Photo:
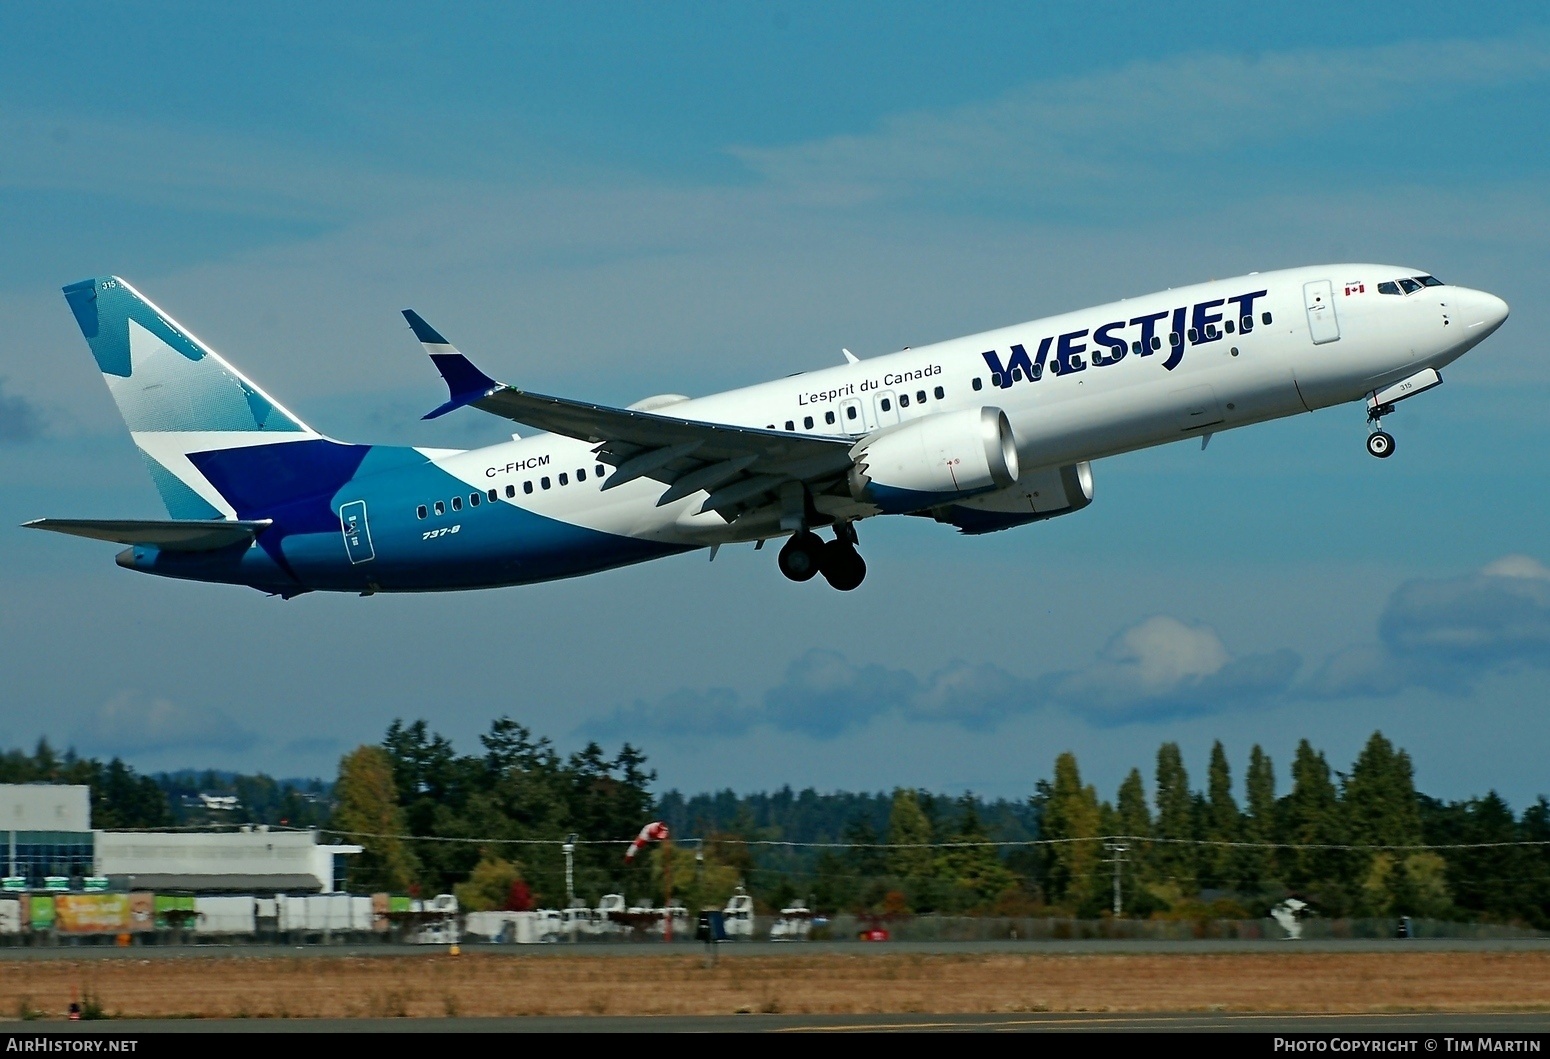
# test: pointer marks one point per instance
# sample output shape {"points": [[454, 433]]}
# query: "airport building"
{"points": [[51, 844]]}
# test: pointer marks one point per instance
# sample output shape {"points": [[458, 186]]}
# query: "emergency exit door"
{"points": [[1319, 297], [357, 534]]}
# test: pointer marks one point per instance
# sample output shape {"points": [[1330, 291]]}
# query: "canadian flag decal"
{"points": [[1355, 288]]}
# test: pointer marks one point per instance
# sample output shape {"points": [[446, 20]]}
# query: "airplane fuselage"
{"points": [[1074, 388]]}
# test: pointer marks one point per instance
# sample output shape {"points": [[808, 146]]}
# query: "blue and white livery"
{"points": [[983, 433]]}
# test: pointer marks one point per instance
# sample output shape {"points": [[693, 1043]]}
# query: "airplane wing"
{"points": [[740, 467], [172, 535]]}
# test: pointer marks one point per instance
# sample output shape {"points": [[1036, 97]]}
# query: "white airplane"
{"points": [[983, 433]]}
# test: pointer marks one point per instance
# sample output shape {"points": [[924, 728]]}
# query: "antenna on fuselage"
{"points": [[850, 358]]}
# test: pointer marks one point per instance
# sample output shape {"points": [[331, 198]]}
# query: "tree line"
{"points": [[488, 826]]}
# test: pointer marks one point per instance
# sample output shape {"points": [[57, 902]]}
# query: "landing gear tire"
{"points": [[842, 565], [1381, 444], [802, 556]]}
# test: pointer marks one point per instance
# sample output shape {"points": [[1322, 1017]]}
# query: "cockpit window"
{"points": [[1429, 281], [1388, 287], [1410, 286]]}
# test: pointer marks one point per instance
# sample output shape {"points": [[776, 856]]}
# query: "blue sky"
{"points": [[610, 201]]}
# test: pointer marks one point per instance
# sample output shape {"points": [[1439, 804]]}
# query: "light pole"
{"points": [[569, 849], [1117, 854]]}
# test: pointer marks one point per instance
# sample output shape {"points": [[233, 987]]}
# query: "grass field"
{"points": [[479, 984]]}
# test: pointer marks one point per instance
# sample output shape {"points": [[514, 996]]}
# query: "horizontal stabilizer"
{"points": [[465, 383], [171, 535]]}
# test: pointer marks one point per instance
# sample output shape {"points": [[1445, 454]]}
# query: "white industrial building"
{"points": [[49, 835], [250, 860]]}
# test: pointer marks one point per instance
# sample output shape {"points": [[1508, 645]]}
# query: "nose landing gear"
{"points": [[806, 554], [1380, 443]]}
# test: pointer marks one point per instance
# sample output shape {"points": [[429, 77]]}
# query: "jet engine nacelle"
{"points": [[935, 460], [1037, 495]]}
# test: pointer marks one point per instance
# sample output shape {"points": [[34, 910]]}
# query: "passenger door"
{"points": [[1319, 298]]}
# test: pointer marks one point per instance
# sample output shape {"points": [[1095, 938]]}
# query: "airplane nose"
{"points": [[1496, 311], [1485, 312]]}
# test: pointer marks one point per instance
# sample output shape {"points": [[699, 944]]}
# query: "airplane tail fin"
{"points": [[177, 396]]}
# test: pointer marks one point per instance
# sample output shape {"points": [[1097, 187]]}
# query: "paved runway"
{"points": [[1421, 1024], [775, 948]]}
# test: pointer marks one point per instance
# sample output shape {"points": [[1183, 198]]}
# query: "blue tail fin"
{"points": [[177, 396]]}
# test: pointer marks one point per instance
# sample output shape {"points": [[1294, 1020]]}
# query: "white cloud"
{"points": [[1448, 633], [132, 723], [1163, 668], [1117, 125]]}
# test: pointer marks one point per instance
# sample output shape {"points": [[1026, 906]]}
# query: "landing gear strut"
{"points": [[806, 554], [1380, 442]]}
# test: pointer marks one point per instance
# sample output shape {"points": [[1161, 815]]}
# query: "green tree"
{"points": [[1071, 824], [973, 869], [489, 885], [1174, 857], [368, 811], [1380, 808], [1133, 819], [1312, 822], [1260, 821], [909, 832], [1221, 863]]}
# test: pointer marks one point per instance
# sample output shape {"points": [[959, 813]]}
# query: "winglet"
{"points": [[466, 384]]}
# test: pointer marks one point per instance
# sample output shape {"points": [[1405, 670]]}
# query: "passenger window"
{"points": [[1194, 336], [564, 478], [904, 400], [581, 474], [601, 472], [493, 495], [887, 404], [419, 512], [920, 396], [940, 393], [441, 509], [995, 378], [1017, 374], [511, 491], [473, 499], [1228, 324], [457, 503], [527, 487], [1135, 347], [1265, 319], [1246, 324], [544, 482], [790, 425], [1175, 339], [828, 417], [1156, 342], [807, 422], [1037, 373], [976, 383], [850, 411]]}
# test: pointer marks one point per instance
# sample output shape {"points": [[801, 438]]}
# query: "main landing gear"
{"points": [[806, 554]]}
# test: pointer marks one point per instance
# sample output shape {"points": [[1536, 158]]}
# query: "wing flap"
{"points": [[172, 535]]}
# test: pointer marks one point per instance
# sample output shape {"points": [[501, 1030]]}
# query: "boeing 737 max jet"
{"points": [[983, 433]]}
